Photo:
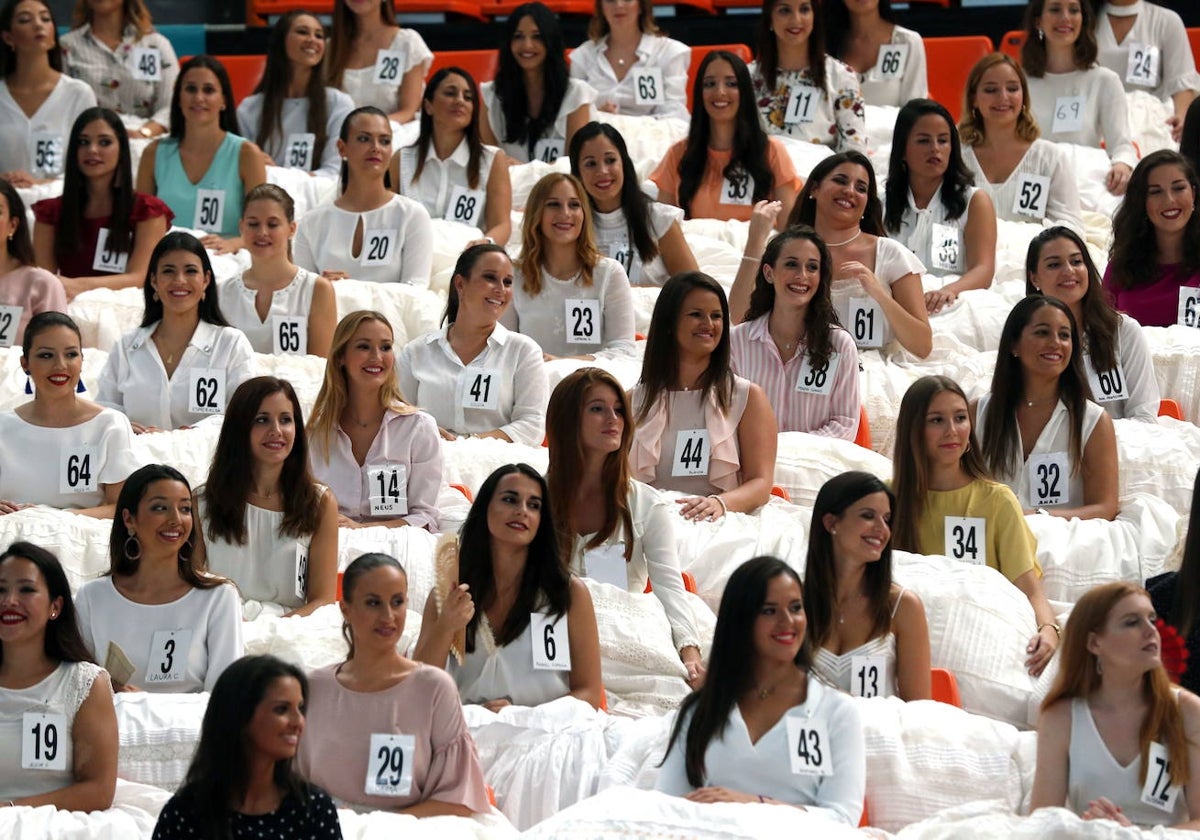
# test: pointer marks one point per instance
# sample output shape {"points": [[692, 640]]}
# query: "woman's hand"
{"points": [[696, 671], [458, 608], [1103, 809], [762, 221], [447, 434], [1118, 178], [18, 178], [346, 522], [139, 429], [7, 507], [700, 508], [1041, 648], [936, 301], [334, 275], [221, 245], [608, 107], [497, 704], [720, 794], [854, 270]]}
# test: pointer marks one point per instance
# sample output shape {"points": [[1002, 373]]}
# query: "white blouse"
{"points": [[1086, 107], [492, 671], [366, 85], [292, 301], [1131, 392], [920, 227], [1042, 186], [38, 144], [668, 57], [613, 240], [504, 387], [134, 379], [899, 74], [68, 467], [1160, 29], [397, 242], [443, 189], [555, 146], [293, 146], [892, 261]]}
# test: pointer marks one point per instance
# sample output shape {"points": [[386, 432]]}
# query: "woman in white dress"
{"points": [[375, 60], [889, 59]]}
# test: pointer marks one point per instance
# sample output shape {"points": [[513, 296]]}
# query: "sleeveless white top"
{"points": [[237, 305], [491, 672], [837, 668]]}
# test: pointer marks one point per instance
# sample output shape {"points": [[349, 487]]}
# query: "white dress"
{"points": [[1154, 27], [1085, 107], [1041, 187], [613, 240], [443, 189], [491, 672], [38, 144], [919, 226], [62, 693], [898, 75], [288, 148], [654, 52], [838, 668], [1134, 378], [367, 88], [292, 301], [64, 468], [892, 261], [553, 145], [397, 242]]}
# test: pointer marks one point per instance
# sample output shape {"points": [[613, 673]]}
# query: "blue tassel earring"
{"points": [[28, 385], [79, 388]]}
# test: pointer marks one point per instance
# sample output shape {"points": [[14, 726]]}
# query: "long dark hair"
{"points": [[837, 24], [1100, 320], [955, 182], [178, 240], [750, 141], [217, 776], [231, 475], [62, 641], [1133, 256], [69, 231], [768, 47], [20, 247], [274, 87], [546, 580], [228, 118], [463, 268], [8, 56], [1001, 442], [804, 212], [820, 569], [660, 365], [1033, 51], [359, 567], [471, 134], [731, 663], [345, 30], [820, 317], [520, 126], [1185, 605], [1189, 143], [634, 202]]}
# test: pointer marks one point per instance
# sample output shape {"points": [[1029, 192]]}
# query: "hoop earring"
{"points": [[130, 555]]}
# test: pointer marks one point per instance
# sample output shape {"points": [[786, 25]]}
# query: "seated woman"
{"points": [[99, 233], [932, 207], [379, 700], [632, 65], [449, 169], [376, 61], [1116, 741], [701, 429], [281, 307], [263, 522], [643, 235], [788, 340], [159, 621], [203, 170], [97, 50], [801, 91], [1029, 179], [532, 108], [1051, 445], [291, 115], [367, 232], [947, 504], [1146, 45], [889, 59], [883, 648], [505, 592], [50, 683], [25, 288], [38, 102], [877, 292], [1175, 595], [59, 449], [1074, 99], [381, 457], [1116, 356], [184, 361], [726, 744], [727, 162], [612, 528], [477, 378], [242, 780], [568, 298], [1154, 261]]}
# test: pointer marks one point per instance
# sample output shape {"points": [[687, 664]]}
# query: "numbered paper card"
{"points": [[78, 468], [378, 247], [817, 380], [168, 656], [551, 647], [1033, 195], [479, 388], [389, 67], [1143, 64], [869, 676], [808, 746], [298, 150], [10, 321], [389, 764], [107, 260], [583, 320], [146, 64], [966, 539], [289, 335], [43, 741], [1158, 790], [1108, 385], [301, 578], [738, 189], [465, 206], [387, 486], [1068, 114], [803, 103], [1189, 307], [891, 63], [548, 149], [46, 153], [210, 209], [691, 453], [648, 86], [606, 564], [945, 248], [1049, 477], [206, 391], [866, 322]]}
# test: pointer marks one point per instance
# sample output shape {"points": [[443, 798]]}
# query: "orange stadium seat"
{"points": [[950, 60], [501, 8], [945, 687], [1194, 39], [481, 64], [698, 53], [863, 438], [258, 12], [781, 492], [1170, 408], [1011, 44]]}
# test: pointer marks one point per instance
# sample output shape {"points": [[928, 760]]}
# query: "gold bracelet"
{"points": [[724, 507], [1055, 627]]}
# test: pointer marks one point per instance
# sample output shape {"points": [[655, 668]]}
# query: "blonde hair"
{"points": [[531, 233], [970, 128]]}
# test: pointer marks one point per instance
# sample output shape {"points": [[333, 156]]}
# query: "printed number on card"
{"points": [[551, 645], [389, 764], [966, 539], [808, 746], [108, 260], [169, 656], [1049, 477], [206, 391], [10, 320], [43, 745]]}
